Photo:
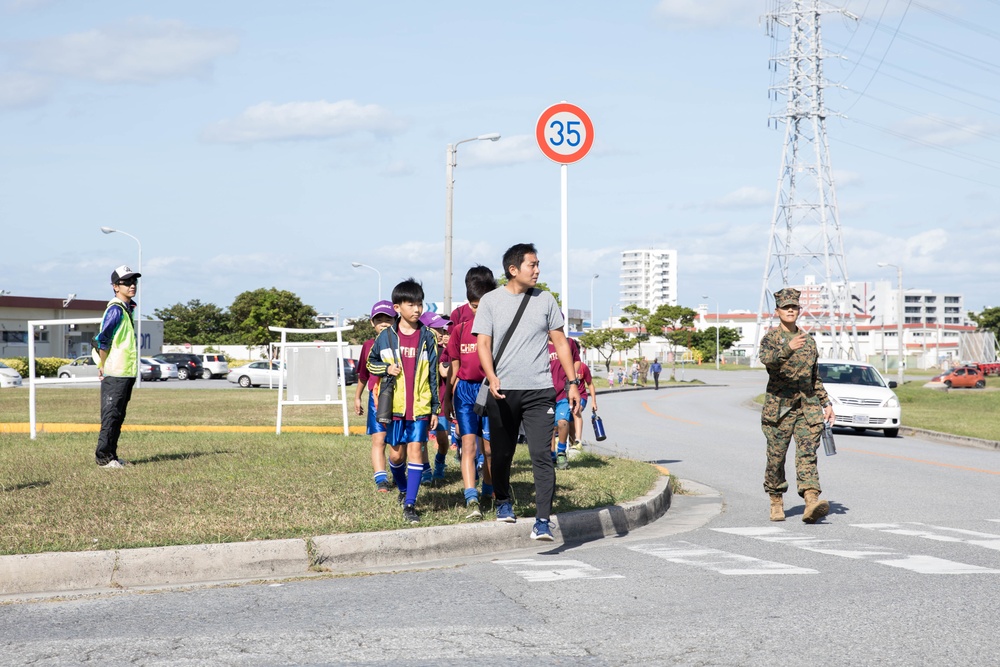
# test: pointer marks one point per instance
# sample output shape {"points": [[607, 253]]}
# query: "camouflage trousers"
{"points": [[807, 439]]}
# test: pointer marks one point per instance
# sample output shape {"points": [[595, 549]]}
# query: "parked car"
{"points": [[8, 376], [81, 367], [167, 369], [149, 369], [350, 371], [256, 373], [964, 376], [861, 397], [188, 365], [215, 366]]}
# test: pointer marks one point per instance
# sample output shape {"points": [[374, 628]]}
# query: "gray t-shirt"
{"points": [[525, 360]]}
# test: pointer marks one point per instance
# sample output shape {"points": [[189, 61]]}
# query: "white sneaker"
{"points": [[115, 463]]}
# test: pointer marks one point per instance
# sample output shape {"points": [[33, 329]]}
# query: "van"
{"points": [[214, 366]]}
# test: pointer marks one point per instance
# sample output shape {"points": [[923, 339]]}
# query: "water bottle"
{"points": [[599, 433], [386, 389]]}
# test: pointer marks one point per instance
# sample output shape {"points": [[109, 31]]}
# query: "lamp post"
{"points": [[359, 265], [899, 320], [716, 331], [449, 207], [596, 276], [138, 312]]}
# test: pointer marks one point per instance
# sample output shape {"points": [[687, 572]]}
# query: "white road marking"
{"points": [[549, 569], [718, 561], [936, 533], [835, 547]]}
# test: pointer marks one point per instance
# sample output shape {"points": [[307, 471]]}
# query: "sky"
{"points": [[258, 144]]}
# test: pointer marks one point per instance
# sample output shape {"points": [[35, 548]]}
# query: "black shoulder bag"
{"points": [[484, 389]]}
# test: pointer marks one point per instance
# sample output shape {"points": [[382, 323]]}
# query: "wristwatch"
{"points": [[576, 382]]}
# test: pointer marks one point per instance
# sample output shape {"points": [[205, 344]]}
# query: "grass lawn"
{"points": [[970, 412], [195, 488]]}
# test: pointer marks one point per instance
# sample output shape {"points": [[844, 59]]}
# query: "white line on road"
{"points": [[541, 570], [936, 533], [718, 561]]}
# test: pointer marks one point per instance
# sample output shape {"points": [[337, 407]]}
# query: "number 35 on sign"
{"points": [[564, 133]]}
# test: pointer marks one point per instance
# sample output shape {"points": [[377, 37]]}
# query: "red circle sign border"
{"points": [[588, 125]]}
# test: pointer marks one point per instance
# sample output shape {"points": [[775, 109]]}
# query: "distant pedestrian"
{"points": [[611, 379], [521, 383], [656, 369], [116, 353], [382, 316], [407, 351], [796, 404]]}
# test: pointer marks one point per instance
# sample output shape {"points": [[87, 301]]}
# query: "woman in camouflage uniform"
{"points": [[796, 405]]}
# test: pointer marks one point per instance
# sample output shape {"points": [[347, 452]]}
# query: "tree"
{"points": [[540, 285], [196, 323], [988, 320], [676, 323], [363, 330], [633, 315], [614, 340], [704, 341], [253, 312]]}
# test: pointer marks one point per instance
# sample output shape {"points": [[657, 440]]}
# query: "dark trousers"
{"points": [[534, 409], [656, 379], [115, 395]]}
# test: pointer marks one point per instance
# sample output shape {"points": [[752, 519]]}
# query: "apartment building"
{"points": [[648, 278]]}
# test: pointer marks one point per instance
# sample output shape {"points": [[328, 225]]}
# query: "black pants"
{"points": [[656, 379], [115, 395], [534, 409]]}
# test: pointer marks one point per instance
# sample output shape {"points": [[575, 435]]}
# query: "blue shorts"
{"points": [[403, 431], [469, 423], [562, 411], [583, 404], [374, 425]]}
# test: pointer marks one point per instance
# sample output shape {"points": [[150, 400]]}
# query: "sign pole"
{"points": [[564, 196]]}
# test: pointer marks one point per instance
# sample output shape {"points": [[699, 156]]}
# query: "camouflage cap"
{"points": [[789, 296]]}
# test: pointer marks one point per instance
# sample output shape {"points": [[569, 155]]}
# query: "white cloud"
{"points": [[708, 13], [844, 179], [398, 168], [942, 131], [516, 149], [303, 120], [745, 197], [18, 90], [140, 50]]}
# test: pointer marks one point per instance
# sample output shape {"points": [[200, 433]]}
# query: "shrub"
{"points": [[44, 366]]}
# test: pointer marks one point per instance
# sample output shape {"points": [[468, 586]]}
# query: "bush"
{"points": [[44, 366]]}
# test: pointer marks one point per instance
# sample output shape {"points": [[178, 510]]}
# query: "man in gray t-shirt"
{"points": [[521, 390]]}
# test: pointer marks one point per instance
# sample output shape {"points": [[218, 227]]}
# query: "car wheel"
{"points": [[890, 432], [859, 429], [64, 375], [206, 374], [947, 383], [980, 384], [182, 374], [244, 381]]}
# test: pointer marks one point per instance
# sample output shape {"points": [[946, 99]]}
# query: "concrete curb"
{"points": [[951, 439], [103, 571]]}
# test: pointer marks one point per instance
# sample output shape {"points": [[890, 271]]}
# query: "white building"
{"points": [[879, 301], [648, 278]]}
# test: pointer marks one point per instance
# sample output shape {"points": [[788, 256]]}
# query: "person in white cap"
{"points": [[116, 352]]}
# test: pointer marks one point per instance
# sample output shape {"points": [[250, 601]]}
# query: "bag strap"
{"points": [[513, 325]]}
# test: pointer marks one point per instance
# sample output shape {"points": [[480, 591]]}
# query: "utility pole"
{"points": [[805, 238]]}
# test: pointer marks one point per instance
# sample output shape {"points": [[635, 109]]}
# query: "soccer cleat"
{"points": [[439, 471], [505, 512], [561, 462], [474, 512], [401, 498], [410, 514], [113, 463], [382, 487], [426, 476], [542, 531], [577, 445]]}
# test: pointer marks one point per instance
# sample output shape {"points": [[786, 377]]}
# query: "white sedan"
{"points": [[861, 397], [8, 376], [256, 373], [167, 369]]}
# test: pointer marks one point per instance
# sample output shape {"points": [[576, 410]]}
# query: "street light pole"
{"points": [[596, 276], [451, 162], [899, 320], [716, 331], [138, 311], [359, 265]]}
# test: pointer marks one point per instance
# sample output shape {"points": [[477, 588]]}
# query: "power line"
{"points": [[986, 162], [884, 54], [917, 164]]}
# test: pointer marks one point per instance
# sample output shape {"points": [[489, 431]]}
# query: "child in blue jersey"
{"points": [[382, 316], [407, 350]]}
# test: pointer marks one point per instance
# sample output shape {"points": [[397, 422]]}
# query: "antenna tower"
{"points": [[805, 247]]}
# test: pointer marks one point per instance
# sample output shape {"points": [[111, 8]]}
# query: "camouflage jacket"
{"points": [[793, 377]]}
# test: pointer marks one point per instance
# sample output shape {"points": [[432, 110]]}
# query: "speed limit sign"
{"points": [[565, 133]]}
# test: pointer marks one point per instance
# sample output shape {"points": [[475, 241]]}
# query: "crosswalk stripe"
{"points": [[718, 561], [836, 547], [927, 531], [558, 569]]}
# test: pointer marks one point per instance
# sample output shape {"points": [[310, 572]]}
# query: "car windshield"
{"points": [[850, 374]]}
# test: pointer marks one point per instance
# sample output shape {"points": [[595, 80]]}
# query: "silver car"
{"points": [[862, 399], [167, 369], [256, 373], [81, 367], [8, 376]]}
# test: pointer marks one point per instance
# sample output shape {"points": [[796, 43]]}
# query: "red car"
{"points": [[966, 376]]}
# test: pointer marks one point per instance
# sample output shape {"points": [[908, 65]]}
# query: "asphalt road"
{"points": [[903, 572]]}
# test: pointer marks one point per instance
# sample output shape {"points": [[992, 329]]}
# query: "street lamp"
{"points": [[716, 331], [359, 265], [596, 276], [138, 313], [449, 206], [899, 320]]}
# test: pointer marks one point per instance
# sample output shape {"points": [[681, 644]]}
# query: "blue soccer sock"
{"points": [[381, 476], [561, 448], [471, 494], [414, 471], [399, 475], [487, 490]]}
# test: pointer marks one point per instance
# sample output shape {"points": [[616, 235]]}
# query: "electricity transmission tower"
{"points": [[805, 248]]}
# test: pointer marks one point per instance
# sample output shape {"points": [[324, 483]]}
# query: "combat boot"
{"points": [[815, 509], [777, 509]]}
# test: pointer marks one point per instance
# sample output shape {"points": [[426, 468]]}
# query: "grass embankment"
{"points": [[194, 488]]}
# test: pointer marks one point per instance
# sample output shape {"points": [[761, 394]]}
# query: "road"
{"points": [[903, 572]]}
